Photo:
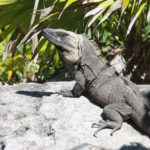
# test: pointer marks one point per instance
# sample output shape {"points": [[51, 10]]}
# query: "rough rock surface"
{"points": [[34, 117]]}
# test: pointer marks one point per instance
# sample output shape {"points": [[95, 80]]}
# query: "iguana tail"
{"points": [[143, 120]]}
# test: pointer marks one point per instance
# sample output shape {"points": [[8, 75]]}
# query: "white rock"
{"points": [[34, 117]]}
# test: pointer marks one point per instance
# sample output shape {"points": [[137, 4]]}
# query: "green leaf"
{"points": [[10, 72], [7, 2], [69, 2], [135, 17], [100, 7], [91, 1], [124, 5], [116, 5], [133, 6]]}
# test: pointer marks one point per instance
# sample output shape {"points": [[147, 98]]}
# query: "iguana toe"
{"points": [[97, 125], [114, 130], [106, 124], [66, 93], [101, 125], [95, 135]]}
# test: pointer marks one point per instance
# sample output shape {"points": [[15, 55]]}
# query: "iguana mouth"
{"points": [[53, 39], [46, 33], [49, 35], [61, 49]]}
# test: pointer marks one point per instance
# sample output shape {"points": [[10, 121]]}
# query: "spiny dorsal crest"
{"points": [[91, 41], [100, 55]]}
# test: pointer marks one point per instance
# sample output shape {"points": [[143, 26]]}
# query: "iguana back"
{"points": [[100, 76]]}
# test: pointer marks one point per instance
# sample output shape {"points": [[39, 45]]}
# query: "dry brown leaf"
{"points": [[11, 43], [46, 11], [114, 7], [34, 12]]}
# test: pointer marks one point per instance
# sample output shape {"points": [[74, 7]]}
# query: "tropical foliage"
{"points": [[27, 56]]}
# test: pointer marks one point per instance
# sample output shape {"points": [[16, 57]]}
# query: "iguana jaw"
{"points": [[66, 42]]}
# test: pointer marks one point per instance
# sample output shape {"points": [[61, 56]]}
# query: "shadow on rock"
{"points": [[86, 146], [134, 146], [35, 93]]}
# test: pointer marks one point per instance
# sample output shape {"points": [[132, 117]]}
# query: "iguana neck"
{"points": [[89, 57]]}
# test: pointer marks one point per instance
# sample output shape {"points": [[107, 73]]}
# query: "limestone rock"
{"points": [[34, 117]]}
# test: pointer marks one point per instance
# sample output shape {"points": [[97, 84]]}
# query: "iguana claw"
{"points": [[66, 93], [95, 135], [97, 125]]}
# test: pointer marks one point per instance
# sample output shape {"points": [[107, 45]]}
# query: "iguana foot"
{"points": [[97, 125], [114, 113], [106, 124], [66, 93]]}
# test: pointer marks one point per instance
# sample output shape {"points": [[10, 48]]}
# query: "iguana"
{"points": [[120, 97]]}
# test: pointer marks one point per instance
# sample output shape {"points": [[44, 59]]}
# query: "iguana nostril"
{"points": [[44, 30]]}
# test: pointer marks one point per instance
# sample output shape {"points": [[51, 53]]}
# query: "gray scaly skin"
{"points": [[120, 98]]}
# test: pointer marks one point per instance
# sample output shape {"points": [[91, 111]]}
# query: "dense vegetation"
{"points": [[26, 56]]}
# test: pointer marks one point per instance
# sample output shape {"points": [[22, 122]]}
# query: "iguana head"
{"points": [[66, 42]]}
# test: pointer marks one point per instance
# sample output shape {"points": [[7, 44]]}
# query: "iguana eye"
{"points": [[63, 35]]}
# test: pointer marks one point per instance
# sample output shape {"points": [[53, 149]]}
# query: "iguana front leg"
{"points": [[78, 87]]}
